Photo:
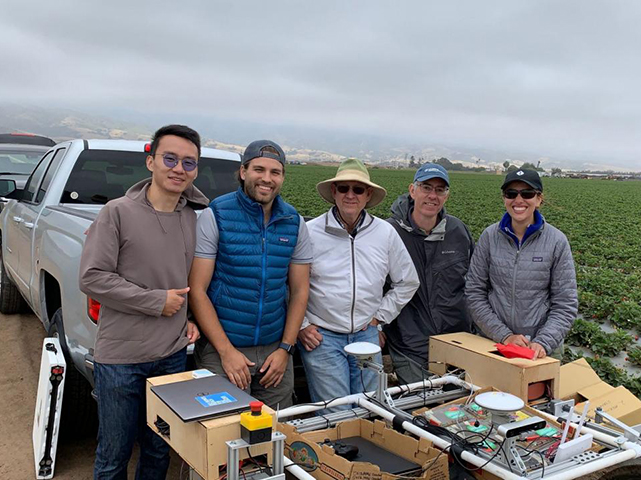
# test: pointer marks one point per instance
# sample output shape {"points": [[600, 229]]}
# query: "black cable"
{"points": [[263, 468], [324, 403], [455, 439], [529, 452]]}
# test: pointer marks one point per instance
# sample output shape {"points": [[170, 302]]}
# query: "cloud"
{"points": [[554, 78]]}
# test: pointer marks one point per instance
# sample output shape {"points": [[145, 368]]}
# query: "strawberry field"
{"points": [[602, 220]]}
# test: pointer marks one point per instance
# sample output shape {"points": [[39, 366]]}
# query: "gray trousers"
{"points": [[207, 357]]}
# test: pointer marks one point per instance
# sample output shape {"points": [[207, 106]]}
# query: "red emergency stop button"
{"points": [[256, 407]]}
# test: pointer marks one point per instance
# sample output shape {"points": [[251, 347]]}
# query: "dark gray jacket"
{"points": [[441, 260], [529, 290]]}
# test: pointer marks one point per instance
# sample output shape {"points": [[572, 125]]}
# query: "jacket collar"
{"points": [[334, 227], [505, 226], [402, 209]]}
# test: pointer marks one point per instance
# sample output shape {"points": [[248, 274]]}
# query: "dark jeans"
{"points": [[122, 414]]}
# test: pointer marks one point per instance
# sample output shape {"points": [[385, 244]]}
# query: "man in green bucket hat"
{"points": [[354, 253]]}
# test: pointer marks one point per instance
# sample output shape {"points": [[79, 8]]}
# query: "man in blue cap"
{"points": [[441, 247]]}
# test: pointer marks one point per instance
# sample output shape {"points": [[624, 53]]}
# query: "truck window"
{"points": [[34, 180], [53, 166], [102, 175]]}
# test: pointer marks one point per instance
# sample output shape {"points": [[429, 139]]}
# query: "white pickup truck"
{"points": [[43, 231]]}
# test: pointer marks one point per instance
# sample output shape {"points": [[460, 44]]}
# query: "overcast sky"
{"points": [[557, 78]]}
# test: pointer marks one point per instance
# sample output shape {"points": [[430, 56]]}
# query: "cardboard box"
{"points": [[486, 367], [580, 383], [326, 465], [201, 444]]}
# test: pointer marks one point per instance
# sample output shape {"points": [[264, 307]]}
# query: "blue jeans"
{"points": [[333, 373], [122, 415]]}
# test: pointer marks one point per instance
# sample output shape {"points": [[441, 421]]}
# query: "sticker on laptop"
{"points": [[215, 399]]}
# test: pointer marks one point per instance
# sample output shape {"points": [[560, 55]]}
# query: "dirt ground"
{"points": [[20, 351]]}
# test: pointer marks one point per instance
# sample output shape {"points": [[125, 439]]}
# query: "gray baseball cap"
{"points": [[263, 148]]}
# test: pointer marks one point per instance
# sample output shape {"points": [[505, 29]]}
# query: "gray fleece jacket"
{"points": [[134, 254], [529, 290]]}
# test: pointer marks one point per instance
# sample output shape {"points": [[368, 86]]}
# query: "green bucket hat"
{"points": [[351, 170]]}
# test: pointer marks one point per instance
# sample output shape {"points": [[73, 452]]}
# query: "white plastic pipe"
{"points": [[312, 407], [296, 470], [595, 466]]}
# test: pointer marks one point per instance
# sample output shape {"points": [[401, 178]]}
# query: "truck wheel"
{"points": [[10, 299], [79, 418]]}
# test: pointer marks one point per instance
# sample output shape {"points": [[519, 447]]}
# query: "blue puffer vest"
{"points": [[249, 286]]}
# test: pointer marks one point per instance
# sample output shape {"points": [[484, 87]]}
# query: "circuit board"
{"points": [[473, 423]]}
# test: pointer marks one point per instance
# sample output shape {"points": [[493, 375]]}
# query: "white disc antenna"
{"points": [[499, 402], [362, 350]]}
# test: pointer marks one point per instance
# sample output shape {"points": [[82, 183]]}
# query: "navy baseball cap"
{"points": [[264, 148], [428, 171], [530, 177]]}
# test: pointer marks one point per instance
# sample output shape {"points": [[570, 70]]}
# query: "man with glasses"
{"points": [[354, 253], [135, 262], [441, 247], [250, 280]]}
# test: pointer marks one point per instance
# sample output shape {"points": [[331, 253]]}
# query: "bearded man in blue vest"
{"points": [[249, 281]]}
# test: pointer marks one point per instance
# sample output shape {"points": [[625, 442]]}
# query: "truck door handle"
{"points": [[18, 219], [28, 225]]}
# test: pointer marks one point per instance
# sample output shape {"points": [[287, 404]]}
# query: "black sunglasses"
{"points": [[357, 189], [526, 193]]}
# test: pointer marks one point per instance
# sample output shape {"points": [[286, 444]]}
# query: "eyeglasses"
{"points": [[170, 160], [357, 189], [526, 193], [427, 189]]}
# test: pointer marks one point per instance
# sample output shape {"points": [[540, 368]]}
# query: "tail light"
{"points": [[93, 310]]}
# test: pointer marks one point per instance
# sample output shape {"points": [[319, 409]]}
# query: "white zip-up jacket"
{"points": [[348, 274]]}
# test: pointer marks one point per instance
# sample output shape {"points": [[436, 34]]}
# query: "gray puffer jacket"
{"points": [[529, 290]]}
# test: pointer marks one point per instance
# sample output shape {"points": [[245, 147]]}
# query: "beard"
{"points": [[252, 191]]}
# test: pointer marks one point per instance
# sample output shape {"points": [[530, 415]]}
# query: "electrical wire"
{"points": [[529, 452], [454, 438], [263, 468]]}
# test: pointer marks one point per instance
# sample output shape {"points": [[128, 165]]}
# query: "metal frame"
{"points": [[278, 450]]}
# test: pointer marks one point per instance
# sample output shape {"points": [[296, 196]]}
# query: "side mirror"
{"points": [[7, 187]]}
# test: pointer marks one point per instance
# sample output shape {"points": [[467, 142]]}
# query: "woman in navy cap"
{"points": [[521, 284]]}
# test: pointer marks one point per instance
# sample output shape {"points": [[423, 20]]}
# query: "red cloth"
{"points": [[515, 351]]}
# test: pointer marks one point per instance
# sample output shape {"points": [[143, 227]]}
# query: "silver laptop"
{"points": [[203, 398]]}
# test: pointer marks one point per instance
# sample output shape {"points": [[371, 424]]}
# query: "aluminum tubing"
{"points": [[594, 466], [296, 470], [440, 443]]}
